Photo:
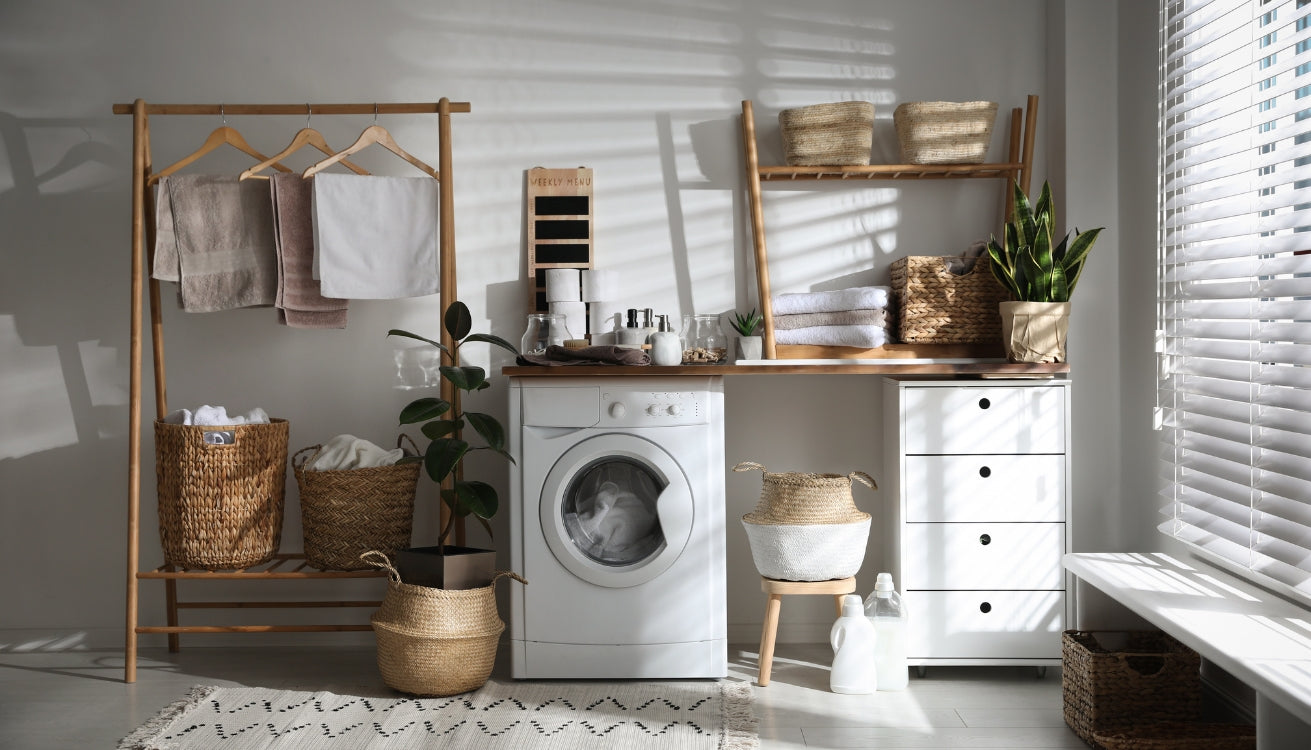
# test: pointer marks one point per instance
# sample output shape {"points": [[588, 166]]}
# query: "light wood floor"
{"points": [[76, 699]]}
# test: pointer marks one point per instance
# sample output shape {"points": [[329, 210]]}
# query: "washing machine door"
{"points": [[616, 510]]}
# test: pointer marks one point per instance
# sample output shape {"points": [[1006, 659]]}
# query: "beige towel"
{"points": [[299, 303], [843, 318], [214, 236]]}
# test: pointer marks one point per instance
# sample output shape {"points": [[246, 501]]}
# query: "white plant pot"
{"points": [[813, 552], [1035, 331]]}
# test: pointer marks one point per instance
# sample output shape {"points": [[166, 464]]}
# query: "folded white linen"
{"points": [[864, 337], [375, 237], [855, 298], [216, 415], [349, 452]]}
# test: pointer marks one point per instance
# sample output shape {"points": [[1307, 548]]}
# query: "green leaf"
{"points": [[1046, 207], [478, 497], [489, 428], [1083, 242], [424, 409], [442, 456], [1060, 290], [1022, 212], [408, 335], [483, 522], [497, 340], [1002, 269], [484, 385], [465, 378], [441, 428], [458, 320]]}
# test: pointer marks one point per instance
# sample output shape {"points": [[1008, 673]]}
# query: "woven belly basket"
{"points": [[807, 527]]}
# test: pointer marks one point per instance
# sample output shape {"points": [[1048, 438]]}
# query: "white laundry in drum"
{"points": [[614, 520]]}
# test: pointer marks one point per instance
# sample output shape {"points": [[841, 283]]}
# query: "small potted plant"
{"points": [[749, 345], [445, 565], [1040, 276]]}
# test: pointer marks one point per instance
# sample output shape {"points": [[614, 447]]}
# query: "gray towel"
{"points": [[214, 236], [299, 302], [843, 318], [586, 355]]}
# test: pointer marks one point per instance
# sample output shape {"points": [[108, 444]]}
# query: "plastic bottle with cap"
{"points": [[887, 615], [853, 640]]}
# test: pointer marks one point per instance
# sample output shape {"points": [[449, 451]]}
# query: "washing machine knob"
{"points": [[618, 410], [653, 409], [675, 409]]}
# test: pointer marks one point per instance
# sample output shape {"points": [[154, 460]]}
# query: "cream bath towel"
{"points": [[375, 237], [299, 301], [856, 298], [214, 236], [843, 318], [862, 337]]}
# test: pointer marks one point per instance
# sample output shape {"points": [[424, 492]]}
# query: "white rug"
{"points": [[518, 715]]}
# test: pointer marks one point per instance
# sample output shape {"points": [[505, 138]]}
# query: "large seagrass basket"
{"points": [[944, 132], [830, 134]]}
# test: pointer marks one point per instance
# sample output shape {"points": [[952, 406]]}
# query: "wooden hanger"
{"points": [[373, 134], [306, 137], [221, 135]]}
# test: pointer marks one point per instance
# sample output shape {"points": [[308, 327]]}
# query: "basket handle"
{"points": [[748, 466], [415, 447], [864, 479], [371, 558], [508, 573], [301, 465]]}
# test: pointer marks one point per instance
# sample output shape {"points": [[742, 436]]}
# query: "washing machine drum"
{"points": [[616, 510]]}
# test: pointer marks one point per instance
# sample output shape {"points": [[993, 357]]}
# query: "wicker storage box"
{"points": [[220, 503], [806, 527], [832, 134], [349, 512], [1179, 735], [944, 132], [936, 306], [435, 641], [1113, 681]]}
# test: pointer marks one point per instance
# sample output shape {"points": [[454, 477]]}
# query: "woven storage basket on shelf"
{"points": [[806, 527], [831, 134], [936, 306], [435, 641], [1116, 680], [944, 132], [220, 505], [346, 513]]}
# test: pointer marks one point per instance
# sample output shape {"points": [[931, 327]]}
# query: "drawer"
{"points": [[984, 624], [953, 556], [981, 419], [985, 488]]}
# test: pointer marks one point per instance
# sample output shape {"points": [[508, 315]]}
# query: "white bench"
{"points": [[1261, 639]]}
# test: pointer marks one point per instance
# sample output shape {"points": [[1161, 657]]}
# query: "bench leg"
{"points": [[767, 636], [1276, 728]]}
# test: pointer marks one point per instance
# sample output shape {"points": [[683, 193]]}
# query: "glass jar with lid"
{"points": [[704, 340], [544, 329]]}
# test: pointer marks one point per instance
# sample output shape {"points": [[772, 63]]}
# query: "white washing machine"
{"points": [[617, 522]]}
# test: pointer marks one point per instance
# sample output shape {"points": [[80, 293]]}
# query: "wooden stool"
{"points": [[777, 590]]}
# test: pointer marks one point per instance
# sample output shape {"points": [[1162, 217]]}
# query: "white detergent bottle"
{"points": [[887, 615], [852, 638]]}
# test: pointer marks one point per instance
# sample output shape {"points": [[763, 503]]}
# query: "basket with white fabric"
{"points": [[806, 527]]}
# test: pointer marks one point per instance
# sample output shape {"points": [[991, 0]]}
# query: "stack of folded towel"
{"points": [[856, 317]]}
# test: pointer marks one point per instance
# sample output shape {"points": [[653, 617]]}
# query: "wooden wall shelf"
{"points": [[949, 368]]}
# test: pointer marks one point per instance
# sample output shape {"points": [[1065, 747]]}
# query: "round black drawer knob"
{"points": [[985, 472], [984, 403], [985, 540], [985, 608]]}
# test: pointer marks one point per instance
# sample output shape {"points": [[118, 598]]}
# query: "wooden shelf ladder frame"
{"points": [[282, 567], [1018, 167]]}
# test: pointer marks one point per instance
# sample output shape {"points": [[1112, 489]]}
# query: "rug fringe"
{"points": [[739, 717], [144, 736]]}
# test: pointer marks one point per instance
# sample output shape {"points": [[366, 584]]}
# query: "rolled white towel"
{"points": [[863, 337], [349, 452], [216, 415], [855, 298]]}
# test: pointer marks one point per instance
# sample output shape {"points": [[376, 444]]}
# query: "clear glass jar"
{"points": [[704, 340], [544, 329]]}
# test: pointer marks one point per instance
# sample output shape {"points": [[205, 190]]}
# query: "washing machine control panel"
{"points": [[652, 408]]}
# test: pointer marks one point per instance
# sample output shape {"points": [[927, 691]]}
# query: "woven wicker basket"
{"points": [[935, 306], [1179, 735], [1112, 681], [347, 513], [831, 134], [806, 527], [944, 132], [435, 641], [220, 505]]}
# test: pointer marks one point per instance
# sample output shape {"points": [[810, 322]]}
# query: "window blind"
{"points": [[1234, 282]]}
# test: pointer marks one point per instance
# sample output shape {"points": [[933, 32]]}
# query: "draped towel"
{"points": [[299, 301]]}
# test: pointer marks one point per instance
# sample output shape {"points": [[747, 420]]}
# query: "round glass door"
{"points": [[616, 510]]}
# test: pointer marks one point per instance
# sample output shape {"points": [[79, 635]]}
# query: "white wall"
{"points": [[646, 93]]}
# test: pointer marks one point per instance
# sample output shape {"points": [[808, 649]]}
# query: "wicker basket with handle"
{"points": [[345, 513], [944, 132], [936, 306]]}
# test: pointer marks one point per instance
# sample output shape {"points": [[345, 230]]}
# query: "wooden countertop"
{"points": [[792, 367]]}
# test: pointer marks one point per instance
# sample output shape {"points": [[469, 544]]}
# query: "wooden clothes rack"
{"points": [[282, 567]]}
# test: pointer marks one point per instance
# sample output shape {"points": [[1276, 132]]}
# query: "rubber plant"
{"points": [[1027, 263], [443, 422], [746, 324]]}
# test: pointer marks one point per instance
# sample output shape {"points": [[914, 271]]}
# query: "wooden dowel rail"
{"points": [[413, 108], [277, 605], [252, 628]]}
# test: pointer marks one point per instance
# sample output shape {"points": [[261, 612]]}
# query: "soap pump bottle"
{"points": [[666, 346], [631, 335], [887, 614], [853, 641]]}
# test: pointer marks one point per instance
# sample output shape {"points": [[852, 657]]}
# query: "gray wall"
{"points": [[645, 93]]}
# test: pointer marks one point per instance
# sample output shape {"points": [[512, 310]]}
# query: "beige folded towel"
{"points": [[299, 301], [843, 318], [214, 236]]}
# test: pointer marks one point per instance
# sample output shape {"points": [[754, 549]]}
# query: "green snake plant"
{"points": [[1027, 263]]}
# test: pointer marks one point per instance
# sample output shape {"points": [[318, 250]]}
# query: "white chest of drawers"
{"points": [[977, 481]]}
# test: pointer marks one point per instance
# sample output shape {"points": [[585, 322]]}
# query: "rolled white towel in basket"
{"points": [[855, 298]]}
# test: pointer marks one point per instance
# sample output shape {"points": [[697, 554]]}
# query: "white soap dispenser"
{"points": [[853, 641], [666, 346]]}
